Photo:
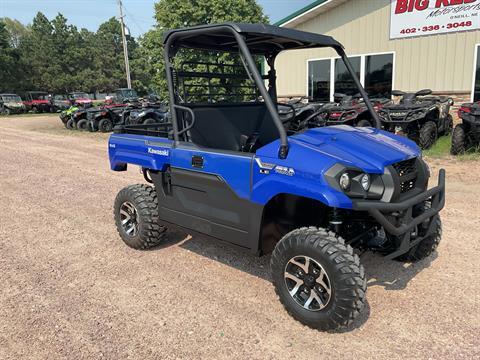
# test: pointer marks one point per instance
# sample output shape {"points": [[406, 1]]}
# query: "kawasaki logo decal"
{"points": [[162, 152]]}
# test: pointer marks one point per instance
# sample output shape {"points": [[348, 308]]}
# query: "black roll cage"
{"points": [[171, 47]]}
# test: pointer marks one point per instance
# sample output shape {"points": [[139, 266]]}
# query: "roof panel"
{"points": [[260, 38]]}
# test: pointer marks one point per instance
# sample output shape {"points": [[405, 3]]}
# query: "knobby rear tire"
{"points": [[144, 198], [459, 140]]}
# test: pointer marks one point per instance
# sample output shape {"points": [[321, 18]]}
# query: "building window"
{"points": [[344, 83], [329, 76], [476, 84], [379, 75], [319, 80]]}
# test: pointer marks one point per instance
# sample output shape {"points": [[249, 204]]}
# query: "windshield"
{"points": [[127, 93], [39, 96], [60, 97], [11, 98], [80, 95]]}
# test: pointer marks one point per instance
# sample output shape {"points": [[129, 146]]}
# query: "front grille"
{"points": [[407, 173]]}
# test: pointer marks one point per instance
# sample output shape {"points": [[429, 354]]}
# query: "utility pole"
{"points": [[125, 48]]}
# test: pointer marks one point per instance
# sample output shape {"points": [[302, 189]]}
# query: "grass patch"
{"points": [[441, 149]]}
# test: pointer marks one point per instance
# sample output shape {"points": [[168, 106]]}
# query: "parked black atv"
{"points": [[467, 134], [145, 115], [78, 119], [345, 110], [420, 117], [79, 116], [105, 120], [294, 112]]}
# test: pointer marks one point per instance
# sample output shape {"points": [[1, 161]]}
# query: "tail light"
{"points": [[464, 109]]}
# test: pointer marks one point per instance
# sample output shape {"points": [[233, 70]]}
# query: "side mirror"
{"points": [[450, 101], [423, 92]]}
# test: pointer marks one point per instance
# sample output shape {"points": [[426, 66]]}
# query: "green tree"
{"points": [[16, 31], [57, 57], [11, 76], [109, 60], [170, 14], [37, 53]]}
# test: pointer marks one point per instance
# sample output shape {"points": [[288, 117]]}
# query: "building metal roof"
{"points": [[308, 12]]}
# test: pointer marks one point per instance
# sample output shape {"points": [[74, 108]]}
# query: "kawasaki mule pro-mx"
{"points": [[226, 167]]}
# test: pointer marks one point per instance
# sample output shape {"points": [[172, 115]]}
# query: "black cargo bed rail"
{"points": [[154, 129]]}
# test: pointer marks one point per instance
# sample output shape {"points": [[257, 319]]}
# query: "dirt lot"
{"points": [[69, 288]]}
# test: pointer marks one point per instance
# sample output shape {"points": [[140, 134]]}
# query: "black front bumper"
{"points": [[403, 213]]}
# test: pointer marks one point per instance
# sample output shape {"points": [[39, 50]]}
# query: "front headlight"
{"points": [[365, 181], [344, 181], [355, 183]]}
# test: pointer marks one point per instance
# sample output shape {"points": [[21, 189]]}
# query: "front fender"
{"points": [[271, 185]]}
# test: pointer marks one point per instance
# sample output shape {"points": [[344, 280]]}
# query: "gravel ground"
{"points": [[69, 287]]}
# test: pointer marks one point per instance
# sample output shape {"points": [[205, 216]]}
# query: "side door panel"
{"points": [[209, 192]]}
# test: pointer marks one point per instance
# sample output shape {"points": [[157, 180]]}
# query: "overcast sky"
{"points": [[91, 13]]}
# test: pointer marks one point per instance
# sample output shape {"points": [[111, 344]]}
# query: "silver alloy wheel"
{"points": [[308, 283], [129, 218]]}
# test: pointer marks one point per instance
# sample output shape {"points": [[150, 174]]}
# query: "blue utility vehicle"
{"points": [[227, 167]]}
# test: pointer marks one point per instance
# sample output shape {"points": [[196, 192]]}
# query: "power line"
{"points": [[130, 16]]}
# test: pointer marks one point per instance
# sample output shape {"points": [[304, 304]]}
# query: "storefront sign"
{"points": [[409, 18]]}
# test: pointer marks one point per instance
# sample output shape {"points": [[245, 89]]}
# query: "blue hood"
{"points": [[365, 148]]}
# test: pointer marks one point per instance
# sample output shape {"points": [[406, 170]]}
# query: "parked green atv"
{"points": [[66, 115]]}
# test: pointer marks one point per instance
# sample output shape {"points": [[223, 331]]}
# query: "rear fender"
{"points": [[148, 152]]}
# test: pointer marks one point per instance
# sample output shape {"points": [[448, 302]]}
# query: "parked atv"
{"points": [[467, 134], [59, 102], [345, 110], [37, 102], [293, 112], [230, 170], [67, 114], [11, 104], [80, 119], [420, 117], [105, 120], [145, 115]]}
